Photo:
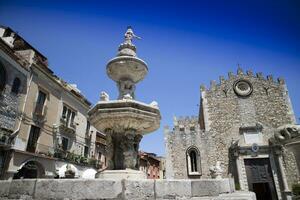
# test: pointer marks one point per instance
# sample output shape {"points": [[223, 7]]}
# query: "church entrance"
{"points": [[260, 178]]}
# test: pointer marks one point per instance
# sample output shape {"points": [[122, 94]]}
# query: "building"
{"points": [[232, 136], [152, 165], [43, 119]]}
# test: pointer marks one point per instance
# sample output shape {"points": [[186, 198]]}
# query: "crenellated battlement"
{"points": [[240, 74], [186, 121]]}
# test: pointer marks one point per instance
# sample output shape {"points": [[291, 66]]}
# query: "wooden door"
{"points": [[260, 178]]}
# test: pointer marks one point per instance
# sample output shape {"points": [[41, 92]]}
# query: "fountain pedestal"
{"points": [[124, 121]]}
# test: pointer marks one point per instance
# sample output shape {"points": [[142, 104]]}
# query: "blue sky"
{"points": [[185, 43]]}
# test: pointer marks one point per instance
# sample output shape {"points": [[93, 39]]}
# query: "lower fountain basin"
{"points": [[121, 115]]}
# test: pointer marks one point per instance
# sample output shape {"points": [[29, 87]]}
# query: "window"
{"points": [[41, 98], [65, 143], [16, 86], [33, 138], [68, 116], [193, 161], [39, 106], [88, 126], [86, 151], [2, 78], [193, 157]]}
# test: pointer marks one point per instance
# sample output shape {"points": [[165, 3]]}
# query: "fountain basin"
{"points": [[127, 67], [121, 115]]}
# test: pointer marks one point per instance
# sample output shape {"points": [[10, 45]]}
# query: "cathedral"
{"points": [[243, 131]]}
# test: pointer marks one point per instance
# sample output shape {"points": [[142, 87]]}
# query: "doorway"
{"points": [[260, 178], [31, 169]]}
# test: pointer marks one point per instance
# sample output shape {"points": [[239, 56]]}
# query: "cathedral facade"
{"points": [[233, 136]]}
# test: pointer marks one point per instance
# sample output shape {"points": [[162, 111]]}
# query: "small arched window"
{"points": [[16, 86], [193, 161], [193, 157], [2, 78]]}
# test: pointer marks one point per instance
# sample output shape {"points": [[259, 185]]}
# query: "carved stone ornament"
{"points": [[287, 132], [255, 148], [242, 88]]}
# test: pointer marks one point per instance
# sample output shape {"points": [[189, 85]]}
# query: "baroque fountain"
{"points": [[125, 120]]}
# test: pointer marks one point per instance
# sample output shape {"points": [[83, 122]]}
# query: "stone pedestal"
{"points": [[121, 174]]}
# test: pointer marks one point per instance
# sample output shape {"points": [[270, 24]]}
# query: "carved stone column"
{"points": [[286, 190], [109, 149]]}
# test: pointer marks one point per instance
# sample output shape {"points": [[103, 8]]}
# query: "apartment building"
{"points": [[49, 132]]}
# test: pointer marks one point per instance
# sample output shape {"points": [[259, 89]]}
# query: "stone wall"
{"points": [[269, 105], [186, 133], [120, 189], [8, 110], [9, 101], [223, 115]]}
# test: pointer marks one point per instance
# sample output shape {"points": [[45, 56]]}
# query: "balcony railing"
{"points": [[100, 140], [76, 159], [67, 126], [40, 110], [4, 139]]}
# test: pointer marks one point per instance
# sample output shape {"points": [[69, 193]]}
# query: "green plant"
{"points": [[92, 161], [77, 158], [50, 154], [237, 186], [83, 160]]}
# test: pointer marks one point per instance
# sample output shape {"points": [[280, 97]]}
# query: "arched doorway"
{"points": [[31, 169]]}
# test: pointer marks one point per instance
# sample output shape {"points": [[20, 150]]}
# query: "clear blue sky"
{"points": [[185, 44]]}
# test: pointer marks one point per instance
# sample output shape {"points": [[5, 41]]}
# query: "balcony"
{"points": [[39, 112], [100, 140], [5, 141], [67, 126]]}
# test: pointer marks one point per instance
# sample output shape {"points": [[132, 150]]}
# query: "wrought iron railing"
{"points": [[40, 110]]}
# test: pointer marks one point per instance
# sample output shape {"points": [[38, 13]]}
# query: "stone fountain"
{"points": [[125, 120]]}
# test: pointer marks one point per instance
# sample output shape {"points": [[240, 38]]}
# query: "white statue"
{"points": [[154, 104], [129, 35], [104, 96], [216, 171], [127, 97]]}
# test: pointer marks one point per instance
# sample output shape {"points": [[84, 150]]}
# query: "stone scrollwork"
{"points": [[287, 132]]}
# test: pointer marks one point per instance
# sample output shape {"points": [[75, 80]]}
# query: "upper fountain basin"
{"points": [[126, 67]]}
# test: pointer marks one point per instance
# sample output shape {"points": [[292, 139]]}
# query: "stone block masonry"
{"points": [[58, 189]]}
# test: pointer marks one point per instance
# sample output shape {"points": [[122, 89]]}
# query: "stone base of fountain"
{"points": [[121, 174]]}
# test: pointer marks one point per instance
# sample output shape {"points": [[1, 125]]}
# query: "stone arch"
{"points": [[3, 77], [193, 161], [30, 169]]}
